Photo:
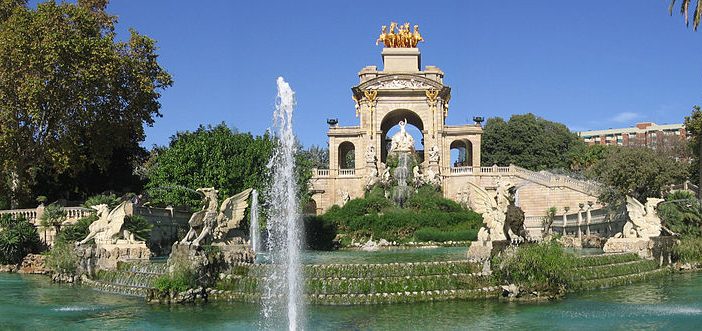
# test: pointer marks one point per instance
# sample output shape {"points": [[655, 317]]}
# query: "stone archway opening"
{"points": [[461, 153], [389, 126], [347, 155]]}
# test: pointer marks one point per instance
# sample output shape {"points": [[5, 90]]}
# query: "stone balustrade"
{"points": [[347, 172]]}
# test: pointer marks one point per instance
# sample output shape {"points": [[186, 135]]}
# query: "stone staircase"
{"points": [[133, 279], [347, 284], [608, 270]]}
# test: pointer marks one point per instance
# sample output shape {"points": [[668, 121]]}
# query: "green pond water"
{"points": [[675, 302]]}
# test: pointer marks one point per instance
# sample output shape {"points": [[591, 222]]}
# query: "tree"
{"points": [[638, 172], [208, 157], [685, 12], [582, 157], [53, 216], [71, 96], [318, 156], [527, 141], [693, 125]]}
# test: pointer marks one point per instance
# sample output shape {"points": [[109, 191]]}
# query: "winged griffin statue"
{"points": [[493, 207], [108, 228], [643, 219], [215, 223]]}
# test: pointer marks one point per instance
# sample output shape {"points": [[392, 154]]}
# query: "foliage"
{"points": [[378, 217], [682, 214], [684, 11], [17, 239], [635, 171], [436, 235], [76, 232], [527, 141], [74, 98], [62, 258], [693, 125], [216, 157], [53, 216], [689, 250], [582, 157], [543, 265], [138, 226], [547, 220], [181, 278], [110, 200], [319, 233], [317, 156]]}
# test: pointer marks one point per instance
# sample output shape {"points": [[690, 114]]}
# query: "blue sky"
{"points": [[589, 64]]}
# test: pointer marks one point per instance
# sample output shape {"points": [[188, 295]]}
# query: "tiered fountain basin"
{"points": [[380, 283]]}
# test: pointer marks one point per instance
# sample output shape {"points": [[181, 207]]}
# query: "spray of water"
{"points": [[282, 294], [255, 232]]}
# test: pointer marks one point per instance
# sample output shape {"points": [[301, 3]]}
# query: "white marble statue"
{"points": [[370, 154], [493, 207], [434, 154], [417, 177], [373, 178], [644, 221], [108, 228], [215, 223], [385, 177], [402, 141], [432, 178], [345, 197]]}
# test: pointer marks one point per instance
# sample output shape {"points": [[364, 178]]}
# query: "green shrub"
{"points": [[684, 215], [434, 234], [110, 200], [319, 233], [688, 250], [62, 258], [537, 266], [53, 216], [180, 279], [139, 226], [77, 231], [17, 239]]}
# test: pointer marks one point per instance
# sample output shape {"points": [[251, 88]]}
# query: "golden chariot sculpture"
{"points": [[399, 36]]}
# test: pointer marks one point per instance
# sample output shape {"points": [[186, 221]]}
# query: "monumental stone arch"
{"points": [[404, 91]]}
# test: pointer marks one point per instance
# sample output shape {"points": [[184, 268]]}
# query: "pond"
{"points": [[674, 302]]}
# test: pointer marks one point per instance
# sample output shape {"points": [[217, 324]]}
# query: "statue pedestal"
{"points": [[479, 250], [641, 246]]}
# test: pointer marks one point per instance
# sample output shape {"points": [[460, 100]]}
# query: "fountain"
{"points": [[282, 292], [401, 192], [254, 231]]}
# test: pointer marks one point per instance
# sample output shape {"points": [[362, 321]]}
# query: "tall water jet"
{"points": [[282, 294], [254, 230]]}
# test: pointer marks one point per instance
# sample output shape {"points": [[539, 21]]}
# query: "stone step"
{"points": [[600, 283], [603, 259], [115, 289], [491, 292], [613, 270]]}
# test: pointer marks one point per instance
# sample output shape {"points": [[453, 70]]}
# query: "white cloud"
{"points": [[625, 117]]}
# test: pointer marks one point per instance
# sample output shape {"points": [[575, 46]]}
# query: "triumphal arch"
{"points": [[404, 94]]}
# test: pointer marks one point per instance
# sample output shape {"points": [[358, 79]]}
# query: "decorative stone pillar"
{"points": [[589, 216], [580, 221], [565, 219]]}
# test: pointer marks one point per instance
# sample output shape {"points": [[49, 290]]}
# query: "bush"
{"points": [[77, 231], [434, 234], [376, 216], [538, 266], [319, 233], [17, 239], [53, 216], [110, 200], [688, 250], [62, 258], [684, 216], [139, 226], [180, 279]]}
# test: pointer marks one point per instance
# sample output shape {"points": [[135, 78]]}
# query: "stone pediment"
{"points": [[396, 82]]}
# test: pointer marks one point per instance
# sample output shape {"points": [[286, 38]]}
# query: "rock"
{"points": [[34, 264], [8, 267]]}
